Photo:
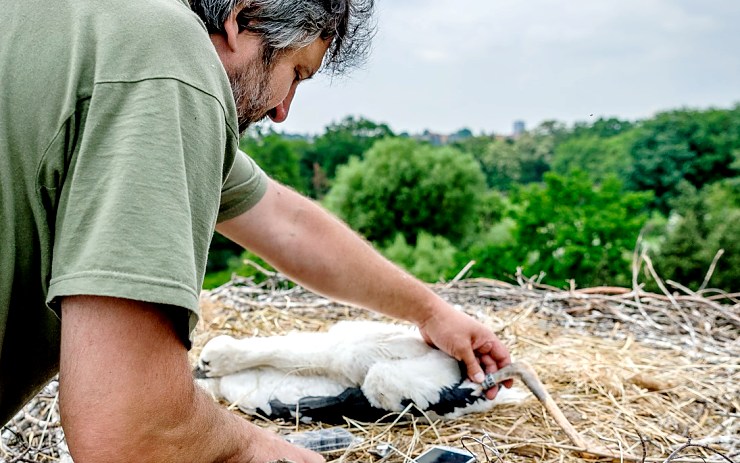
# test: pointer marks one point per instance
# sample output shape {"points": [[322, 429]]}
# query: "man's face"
{"points": [[267, 90]]}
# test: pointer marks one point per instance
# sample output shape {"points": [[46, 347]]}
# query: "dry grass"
{"points": [[645, 374], [637, 373]]}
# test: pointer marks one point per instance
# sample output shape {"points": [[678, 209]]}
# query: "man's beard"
{"points": [[251, 88]]}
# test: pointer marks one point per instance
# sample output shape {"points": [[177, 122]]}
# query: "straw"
{"points": [[652, 375]]}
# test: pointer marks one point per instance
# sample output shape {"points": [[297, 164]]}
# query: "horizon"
{"points": [[280, 130]]}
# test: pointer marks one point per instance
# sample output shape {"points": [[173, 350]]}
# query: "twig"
{"points": [[711, 269], [486, 447], [687, 326], [460, 274], [689, 444]]}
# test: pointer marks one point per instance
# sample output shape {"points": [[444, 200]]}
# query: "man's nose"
{"points": [[281, 110]]}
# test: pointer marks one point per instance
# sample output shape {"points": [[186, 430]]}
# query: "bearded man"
{"points": [[119, 128]]}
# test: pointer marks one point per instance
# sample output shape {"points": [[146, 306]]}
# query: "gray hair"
{"points": [[291, 24]]}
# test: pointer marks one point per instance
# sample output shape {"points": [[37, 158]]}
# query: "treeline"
{"points": [[560, 202]]}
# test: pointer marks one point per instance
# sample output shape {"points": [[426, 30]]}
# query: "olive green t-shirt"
{"points": [[118, 154]]}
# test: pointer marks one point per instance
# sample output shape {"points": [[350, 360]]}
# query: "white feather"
{"points": [[254, 389], [418, 379], [391, 363]]}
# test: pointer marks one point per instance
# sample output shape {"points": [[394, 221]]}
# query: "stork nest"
{"points": [[638, 373]]}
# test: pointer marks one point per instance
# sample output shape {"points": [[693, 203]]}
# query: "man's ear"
{"points": [[231, 29]]}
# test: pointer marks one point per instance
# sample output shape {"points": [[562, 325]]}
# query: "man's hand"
{"points": [[273, 448], [468, 340], [127, 393]]}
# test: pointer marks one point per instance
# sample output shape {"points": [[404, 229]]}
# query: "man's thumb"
{"points": [[475, 372]]}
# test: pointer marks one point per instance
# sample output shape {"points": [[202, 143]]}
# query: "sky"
{"points": [[482, 64]]}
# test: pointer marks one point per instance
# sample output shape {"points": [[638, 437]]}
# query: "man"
{"points": [[118, 157]]}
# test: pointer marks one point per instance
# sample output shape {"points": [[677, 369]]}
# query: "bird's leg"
{"points": [[523, 371]]}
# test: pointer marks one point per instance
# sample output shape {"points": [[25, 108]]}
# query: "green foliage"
{"points": [[495, 252], [405, 187], [476, 146], [341, 141], [221, 252], [568, 228], [216, 279], [699, 147], [238, 265], [491, 207], [277, 156], [534, 152], [551, 129], [500, 164], [571, 228], [596, 155], [703, 222], [430, 208], [602, 128], [432, 258], [506, 162]]}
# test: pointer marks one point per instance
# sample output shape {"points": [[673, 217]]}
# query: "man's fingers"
{"points": [[493, 360], [496, 350], [489, 364], [475, 372], [492, 393]]}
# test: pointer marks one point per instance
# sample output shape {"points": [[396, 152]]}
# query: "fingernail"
{"points": [[479, 377]]}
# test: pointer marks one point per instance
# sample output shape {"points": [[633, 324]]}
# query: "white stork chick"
{"points": [[358, 369]]}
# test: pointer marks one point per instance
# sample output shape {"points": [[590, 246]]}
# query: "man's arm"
{"points": [[127, 393], [318, 251]]}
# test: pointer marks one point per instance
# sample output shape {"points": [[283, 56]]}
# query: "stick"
{"points": [[710, 272], [460, 274]]}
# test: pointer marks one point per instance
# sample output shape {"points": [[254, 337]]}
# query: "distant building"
{"points": [[519, 128], [433, 138], [460, 135]]}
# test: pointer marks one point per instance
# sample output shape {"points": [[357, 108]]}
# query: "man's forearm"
{"points": [[317, 250], [127, 393]]}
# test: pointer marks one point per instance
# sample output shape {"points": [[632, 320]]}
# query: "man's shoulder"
{"points": [[153, 22], [145, 39]]}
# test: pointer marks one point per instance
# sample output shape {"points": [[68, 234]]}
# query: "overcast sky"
{"points": [[443, 64]]}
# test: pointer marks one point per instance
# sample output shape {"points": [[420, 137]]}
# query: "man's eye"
{"points": [[297, 77]]}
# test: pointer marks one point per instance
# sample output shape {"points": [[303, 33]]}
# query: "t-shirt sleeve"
{"points": [[139, 205], [244, 187]]}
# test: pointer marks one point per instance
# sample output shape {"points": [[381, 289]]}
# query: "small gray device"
{"points": [[442, 454]]}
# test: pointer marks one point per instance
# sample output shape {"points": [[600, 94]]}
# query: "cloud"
{"points": [[483, 63]]}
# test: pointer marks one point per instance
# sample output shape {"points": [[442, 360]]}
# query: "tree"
{"points": [[342, 140], [404, 187], [509, 161], [599, 156], [697, 146], [534, 152], [501, 164], [572, 228], [432, 259], [476, 146], [495, 251], [602, 128], [703, 222], [220, 253], [278, 157]]}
